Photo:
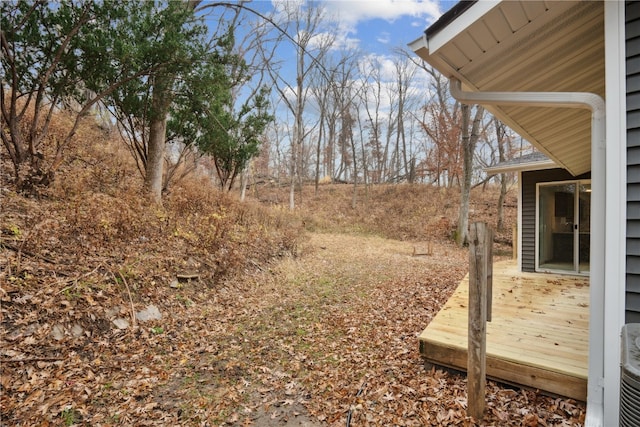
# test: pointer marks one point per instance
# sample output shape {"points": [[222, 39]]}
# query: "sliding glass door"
{"points": [[563, 226]]}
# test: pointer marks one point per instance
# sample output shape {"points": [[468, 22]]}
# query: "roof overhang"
{"points": [[527, 46], [521, 165]]}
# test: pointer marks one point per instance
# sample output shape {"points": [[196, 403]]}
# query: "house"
{"points": [[554, 208], [566, 76]]}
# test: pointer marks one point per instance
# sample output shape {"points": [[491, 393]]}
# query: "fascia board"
{"points": [[529, 166], [460, 24]]}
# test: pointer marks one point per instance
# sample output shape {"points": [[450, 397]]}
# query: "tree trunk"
{"points": [[468, 149], [462, 235], [500, 134], [319, 147], [157, 139], [292, 186], [155, 161], [243, 183], [355, 171]]}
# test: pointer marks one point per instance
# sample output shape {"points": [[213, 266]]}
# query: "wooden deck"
{"points": [[538, 337]]}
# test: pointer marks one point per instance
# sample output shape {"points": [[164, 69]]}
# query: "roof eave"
{"points": [[522, 167]]}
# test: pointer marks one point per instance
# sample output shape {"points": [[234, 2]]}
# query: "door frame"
{"points": [[576, 233]]}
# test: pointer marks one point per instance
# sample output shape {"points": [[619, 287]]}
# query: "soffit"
{"points": [[532, 46]]}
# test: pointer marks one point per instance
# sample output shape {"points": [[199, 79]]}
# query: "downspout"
{"points": [[596, 105]]}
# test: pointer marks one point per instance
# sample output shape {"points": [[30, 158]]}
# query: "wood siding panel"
{"points": [[633, 264], [633, 229], [633, 248], [633, 119], [633, 174], [633, 102], [633, 192], [529, 181], [633, 210], [633, 83], [633, 282], [633, 138], [632, 34]]}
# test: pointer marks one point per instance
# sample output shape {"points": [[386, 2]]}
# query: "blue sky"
{"points": [[376, 26], [367, 28], [379, 25], [371, 31]]}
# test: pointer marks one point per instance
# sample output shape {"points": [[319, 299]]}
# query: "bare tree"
{"points": [[501, 140], [302, 22], [322, 88], [370, 99], [469, 141], [404, 74], [441, 122]]}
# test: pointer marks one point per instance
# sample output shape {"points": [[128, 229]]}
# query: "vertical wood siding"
{"points": [[529, 181], [633, 161]]}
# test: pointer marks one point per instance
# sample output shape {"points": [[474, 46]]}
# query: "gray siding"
{"points": [[633, 161], [528, 188]]}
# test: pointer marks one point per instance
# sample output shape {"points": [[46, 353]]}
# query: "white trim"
{"points": [[518, 167], [536, 249], [615, 244], [576, 235], [460, 24], [519, 226]]}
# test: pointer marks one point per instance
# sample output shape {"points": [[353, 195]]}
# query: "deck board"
{"points": [[538, 336]]}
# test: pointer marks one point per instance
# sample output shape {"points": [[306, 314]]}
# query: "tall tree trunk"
{"points": [[160, 102], [243, 182], [355, 170], [157, 138], [468, 149], [155, 160], [462, 234], [292, 184], [500, 136], [319, 146]]}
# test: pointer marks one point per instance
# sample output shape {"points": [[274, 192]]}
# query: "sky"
{"points": [[376, 26], [372, 29], [369, 28], [366, 27]]}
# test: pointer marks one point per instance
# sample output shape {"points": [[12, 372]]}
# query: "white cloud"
{"points": [[340, 41], [350, 12], [383, 37]]}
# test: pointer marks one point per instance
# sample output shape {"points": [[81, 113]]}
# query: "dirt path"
{"points": [[339, 325]]}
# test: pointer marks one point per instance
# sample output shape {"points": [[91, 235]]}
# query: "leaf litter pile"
{"points": [[114, 328]]}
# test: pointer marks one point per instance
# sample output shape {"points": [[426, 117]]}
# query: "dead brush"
{"points": [[226, 235]]}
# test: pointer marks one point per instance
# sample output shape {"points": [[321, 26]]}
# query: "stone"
{"points": [[77, 331], [120, 323], [149, 313], [113, 311], [57, 332]]}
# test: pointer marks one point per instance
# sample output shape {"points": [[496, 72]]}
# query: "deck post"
{"points": [[480, 242]]}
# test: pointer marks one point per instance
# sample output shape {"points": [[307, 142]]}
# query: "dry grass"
{"points": [[419, 213]]}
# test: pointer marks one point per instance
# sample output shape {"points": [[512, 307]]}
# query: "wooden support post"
{"points": [[479, 239]]}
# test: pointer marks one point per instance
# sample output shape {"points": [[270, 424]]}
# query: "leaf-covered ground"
{"points": [[328, 337]]}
